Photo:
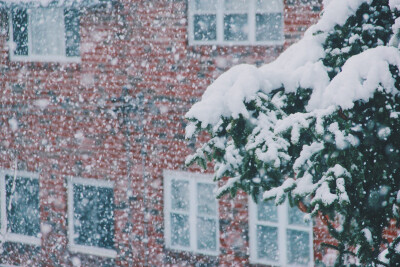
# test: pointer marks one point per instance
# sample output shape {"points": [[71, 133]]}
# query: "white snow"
{"points": [[384, 133], [307, 153], [394, 4], [225, 96], [13, 124], [359, 78], [42, 103]]}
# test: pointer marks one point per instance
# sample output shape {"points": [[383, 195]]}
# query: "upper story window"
{"points": [[236, 22], [44, 34], [91, 216], [20, 218], [279, 235], [191, 213]]}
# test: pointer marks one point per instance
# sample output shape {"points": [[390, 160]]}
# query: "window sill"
{"points": [[191, 257], [236, 43], [101, 252], [24, 239], [46, 59], [191, 251]]}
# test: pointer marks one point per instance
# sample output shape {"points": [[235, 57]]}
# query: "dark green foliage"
{"points": [[351, 173]]}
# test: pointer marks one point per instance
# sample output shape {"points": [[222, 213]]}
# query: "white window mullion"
{"points": [[63, 44], [70, 204], [3, 214], [252, 231], [311, 238], [29, 22], [220, 21], [252, 21], [191, 11], [282, 243], [193, 213]]}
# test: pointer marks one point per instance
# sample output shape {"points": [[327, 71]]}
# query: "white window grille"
{"points": [[236, 22], [44, 34], [191, 213], [279, 236], [91, 216], [20, 214]]}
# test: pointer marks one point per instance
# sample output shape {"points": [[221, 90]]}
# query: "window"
{"points": [[279, 235], [20, 217], [243, 22], [91, 216], [191, 213], [44, 34]]}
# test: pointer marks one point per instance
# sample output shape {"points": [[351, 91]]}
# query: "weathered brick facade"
{"points": [[118, 115]]}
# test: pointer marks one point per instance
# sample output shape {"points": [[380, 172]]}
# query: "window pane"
{"points": [[205, 27], [20, 31], [180, 195], [206, 201], [206, 5], [72, 36], [235, 27], [296, 217], [298, 247], [237, 5], [267, 211], [22, 205], [267, 243], [269, 5], [47, 29], [206, 233], [93, 216], [180, 230], [269, 27]]}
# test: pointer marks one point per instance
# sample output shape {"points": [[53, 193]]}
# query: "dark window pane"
{"points": [[235, 27], [22, 205], [267, 211], [269, 27], [296, 216], [205, 27], [206, 201], [206, 233], [267, 243], [180, 230], [298, 247], [72, 36], [93, 216], [20, 31], [180, 195], [236, 5], [206, 5]]}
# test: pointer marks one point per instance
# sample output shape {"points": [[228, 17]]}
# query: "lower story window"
{"points": [[191, 213], [91, 216], [20, 218], [279, 235]]}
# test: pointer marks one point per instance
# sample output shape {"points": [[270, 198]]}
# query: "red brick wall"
{"points": [[138, 48]]}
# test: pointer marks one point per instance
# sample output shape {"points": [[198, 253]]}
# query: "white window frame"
{"points": [[220, 11], [6, 236], [76, 248], [38, 58], [193, 179], [282, 225]]}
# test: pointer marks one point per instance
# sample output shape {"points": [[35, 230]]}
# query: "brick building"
{"points": [[92, 142]]}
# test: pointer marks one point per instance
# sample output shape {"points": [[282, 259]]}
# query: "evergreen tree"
{"points": [[319, 126]]}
